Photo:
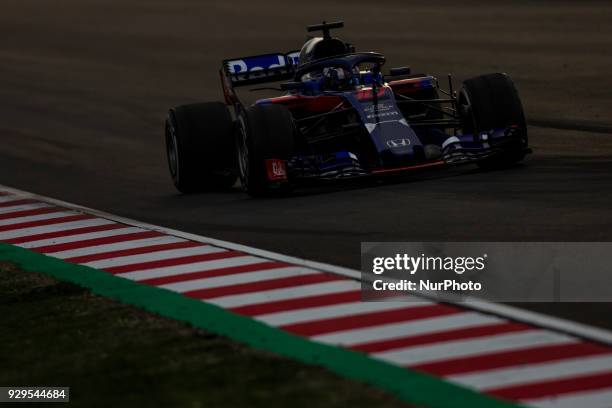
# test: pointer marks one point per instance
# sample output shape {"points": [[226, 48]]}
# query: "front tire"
{"points": [[199, 147], [492, 102], [265, 132]]}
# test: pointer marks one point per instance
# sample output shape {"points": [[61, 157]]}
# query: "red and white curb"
{"points": [[509, 353]]}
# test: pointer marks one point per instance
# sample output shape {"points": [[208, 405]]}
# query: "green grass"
{"points": [[58, 334]]}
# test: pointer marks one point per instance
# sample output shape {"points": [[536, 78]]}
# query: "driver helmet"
{"points": [[336, 78]]}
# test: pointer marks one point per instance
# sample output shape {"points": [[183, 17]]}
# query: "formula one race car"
{"points": [[339, 117]]}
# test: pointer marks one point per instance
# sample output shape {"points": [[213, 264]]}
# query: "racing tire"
{"points": [[199, 147], [492, 101], [264, 132]]}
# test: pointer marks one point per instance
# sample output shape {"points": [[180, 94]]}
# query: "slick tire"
{"points": [[492, 102], [264, 132], [200, 147]]}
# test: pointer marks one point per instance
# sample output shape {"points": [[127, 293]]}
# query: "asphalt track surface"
{"points": [[84, 88]]}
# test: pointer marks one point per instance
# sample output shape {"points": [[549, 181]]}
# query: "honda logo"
{"points": [[395, 143]]}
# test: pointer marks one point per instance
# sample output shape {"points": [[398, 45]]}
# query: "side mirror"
{"points": [[291, 86], [400, 71]]}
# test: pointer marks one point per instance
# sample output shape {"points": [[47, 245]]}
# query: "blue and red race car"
{"points": [[339, 116]]}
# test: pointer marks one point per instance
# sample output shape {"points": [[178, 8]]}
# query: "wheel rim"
{"points": [[172, 150], [465, 110], [243, 155]]}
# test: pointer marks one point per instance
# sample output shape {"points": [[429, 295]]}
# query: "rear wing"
{"points": [[260, 68]]}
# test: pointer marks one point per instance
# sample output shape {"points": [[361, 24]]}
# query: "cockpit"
{"points": [[330, 64]]}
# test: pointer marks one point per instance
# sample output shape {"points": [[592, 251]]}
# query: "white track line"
{"points": [[390, 331], [238, 278], [80, 237], [6, 198], [24, 232], [38, 217], [585, 399], [517, 375], [579, 329], [202, 266], [153, 256], [284, 294], [23, 207], [465, 348], [310, 314], [116, 246]]}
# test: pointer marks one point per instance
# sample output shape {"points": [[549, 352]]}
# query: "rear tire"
{"points": [[199, 146], [492, 102], [265, 132]]}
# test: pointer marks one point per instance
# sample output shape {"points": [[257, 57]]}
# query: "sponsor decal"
{"points": [[277, 170], [379, 107], [367, 94], [262, 62]]}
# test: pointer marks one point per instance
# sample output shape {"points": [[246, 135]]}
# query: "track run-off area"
{"points": [[500, 352]]}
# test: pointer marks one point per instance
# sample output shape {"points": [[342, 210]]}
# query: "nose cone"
{"points": [[397, 143]]}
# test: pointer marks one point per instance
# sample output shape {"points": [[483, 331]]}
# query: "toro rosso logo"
{"points": [[397, 143]]}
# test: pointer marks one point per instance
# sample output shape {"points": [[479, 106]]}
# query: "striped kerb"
{"points": [[490, 354]]}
